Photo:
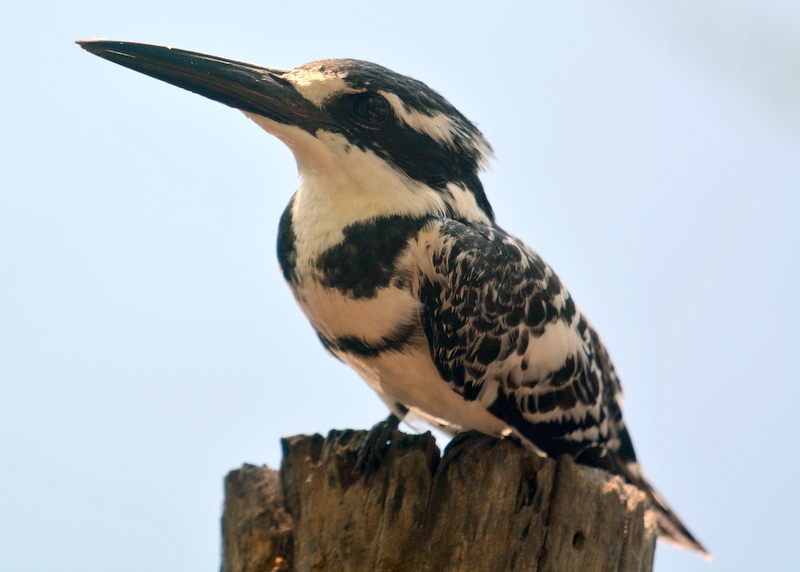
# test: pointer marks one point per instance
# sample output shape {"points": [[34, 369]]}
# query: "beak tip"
{"points": [[93, 46]]}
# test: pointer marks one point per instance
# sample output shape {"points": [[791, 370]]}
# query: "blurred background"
{"points": [[650, 151]]}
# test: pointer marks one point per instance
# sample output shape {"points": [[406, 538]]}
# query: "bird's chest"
{"points": [[360, 286], [346, 321]]}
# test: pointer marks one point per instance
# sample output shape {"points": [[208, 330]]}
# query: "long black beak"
{"points": [[247, 87]]}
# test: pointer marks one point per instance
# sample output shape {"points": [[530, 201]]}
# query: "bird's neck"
{"points": [[322, 209]]}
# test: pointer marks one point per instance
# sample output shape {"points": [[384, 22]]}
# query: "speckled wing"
{"points": [[504, 331]]}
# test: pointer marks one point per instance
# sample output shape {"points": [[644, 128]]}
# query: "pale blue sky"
{"points": [[148, 344]]}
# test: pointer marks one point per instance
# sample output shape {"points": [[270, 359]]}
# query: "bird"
{"points": [[391, 249]]}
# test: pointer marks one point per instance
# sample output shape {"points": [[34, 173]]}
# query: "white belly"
{"points": [[411, 378]]}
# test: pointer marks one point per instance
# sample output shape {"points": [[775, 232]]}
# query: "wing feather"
{"points": [[503, 330]]}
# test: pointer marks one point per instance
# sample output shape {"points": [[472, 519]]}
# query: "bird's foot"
{"points": [[375, 446], [461, 446]]}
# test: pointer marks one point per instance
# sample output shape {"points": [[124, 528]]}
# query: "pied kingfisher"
{"points": [[391, 249]]}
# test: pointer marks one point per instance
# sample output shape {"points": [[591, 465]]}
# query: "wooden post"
{"points": [[489, 508]]}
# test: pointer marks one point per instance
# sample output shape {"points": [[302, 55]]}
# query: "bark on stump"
{"points": [[487, 506]]}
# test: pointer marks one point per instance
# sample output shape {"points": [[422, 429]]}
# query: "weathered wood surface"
{"points": [[487, 506], [257, 532]]}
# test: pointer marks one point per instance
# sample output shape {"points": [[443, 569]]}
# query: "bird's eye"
{"points": [[371, 109]]}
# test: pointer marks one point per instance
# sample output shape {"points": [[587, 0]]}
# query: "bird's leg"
{"points": [[375, 445]]}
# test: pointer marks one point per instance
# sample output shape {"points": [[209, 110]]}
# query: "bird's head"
{"points": [[363, 136]]}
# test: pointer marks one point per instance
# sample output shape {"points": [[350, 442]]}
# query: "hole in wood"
{"points": [[578, 540]]}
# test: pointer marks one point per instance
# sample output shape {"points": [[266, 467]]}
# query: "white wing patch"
{"points": [[545, 354]]}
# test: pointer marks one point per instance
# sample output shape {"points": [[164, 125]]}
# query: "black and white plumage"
{"points": [[392, 251]]}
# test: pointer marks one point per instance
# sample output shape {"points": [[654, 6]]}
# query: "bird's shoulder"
{"points": [[489, 277]]}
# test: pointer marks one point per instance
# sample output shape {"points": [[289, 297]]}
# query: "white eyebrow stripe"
{"points": [[438, 126]]}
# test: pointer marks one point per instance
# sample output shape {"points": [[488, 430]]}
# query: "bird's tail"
{"points": [[670, 528]]}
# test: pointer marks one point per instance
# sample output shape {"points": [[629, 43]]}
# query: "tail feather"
{"points": [[670, 528]]}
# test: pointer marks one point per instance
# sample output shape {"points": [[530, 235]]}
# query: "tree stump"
{"points": [[486, 506]]}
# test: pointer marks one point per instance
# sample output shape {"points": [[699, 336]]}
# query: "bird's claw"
{"points": [[460, 447], [375, 446]]}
